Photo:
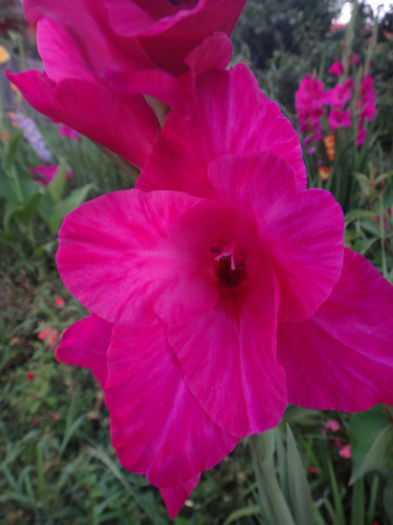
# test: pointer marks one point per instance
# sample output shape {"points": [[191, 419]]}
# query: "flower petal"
{"points": [[302, 230], [232, 116], [85, 344], [174, 497], [124, 256], [59, 52], [185, 24], [342, 358], [123, 124], [215, 51], [157, 426], [228, 361]]}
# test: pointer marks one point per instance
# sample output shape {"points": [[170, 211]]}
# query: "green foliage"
{"points": [[371, 436]]}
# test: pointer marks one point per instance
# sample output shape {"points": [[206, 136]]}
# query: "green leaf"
{"points": [[273, 504], [6, 189], [371, 436], [369, 227], [299, 492], [388, 500], [66, 206], [11, 150], [23, 211], [358, 503], [138, 498], [251, 510], [302, 416], [56, 186], [359, 214]]}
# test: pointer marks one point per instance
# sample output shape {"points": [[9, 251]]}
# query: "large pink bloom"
{"points": [[189, 286], [102, 56]]}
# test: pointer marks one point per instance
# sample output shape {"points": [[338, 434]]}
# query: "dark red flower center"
{"points": [[229, 271]]}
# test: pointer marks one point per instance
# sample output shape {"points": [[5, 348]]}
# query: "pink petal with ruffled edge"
{"points": [[232, 116], [123, 124], [301, 230], [228, 359], [174, 497], [169, 25], [342, 358], [85, 344], [123, 255], [134, 18], [157, 426]]}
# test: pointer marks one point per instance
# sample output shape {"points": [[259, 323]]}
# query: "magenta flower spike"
{"points": [[102, 57], [220, 293]]}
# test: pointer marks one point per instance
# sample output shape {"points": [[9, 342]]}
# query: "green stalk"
{"points": [[382, 235], [273, 504], [2, 128], [350, 33]]}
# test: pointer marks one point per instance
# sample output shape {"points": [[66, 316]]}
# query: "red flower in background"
{"points": [[59, 301], [48, 335]]}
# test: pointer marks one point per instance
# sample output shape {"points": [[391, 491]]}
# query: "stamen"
{"points": [[228, 272]]}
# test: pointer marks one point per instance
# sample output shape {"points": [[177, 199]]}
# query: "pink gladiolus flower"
{"points": [[332, 424], [309, 101], [339, 119], [66, 131], [47, 173], [354, 59], [361, 135], [341, 93], [366, 108], [102, 57], [199, 277], [313, 470], [337, 69], [345, 452], [367, 91], [311, 151]]}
